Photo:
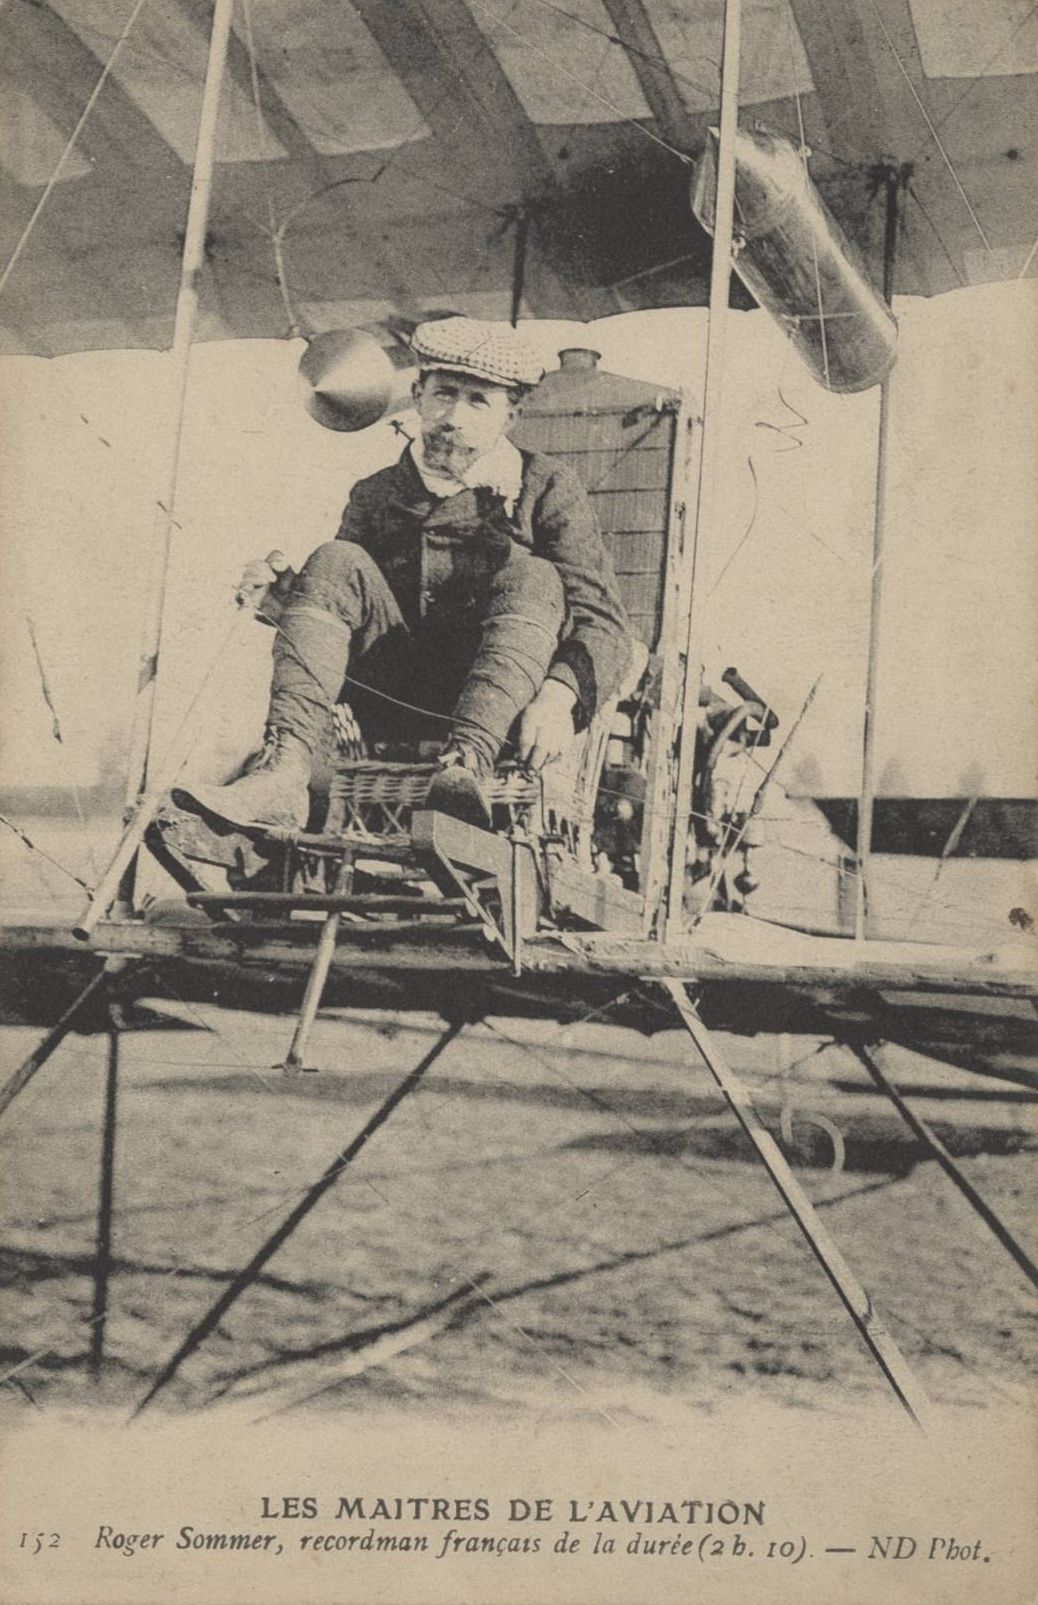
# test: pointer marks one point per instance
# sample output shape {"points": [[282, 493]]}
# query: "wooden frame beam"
{"points": [[838, 971], [658, 84], [454, 78], [449, 69], [864, 100]]}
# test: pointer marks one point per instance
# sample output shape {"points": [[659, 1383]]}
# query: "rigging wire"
{"points": [[848, 868], [70, 145], [578, 1273], [312, 1192], [56, 732], [761, 789], [623, 116], [938, 236], [729, 849], [658, 60], [1028, 259], [295, 1193], [717, 1179], [36, 848], [13, 1372], [984, 72], [644, 1135], [599, 1011], [264, 138], [277, 235], [89, 33], [630, 49], [935, 136]]}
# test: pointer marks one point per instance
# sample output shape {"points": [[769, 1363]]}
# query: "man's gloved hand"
{"points": [[265, 582], [546, 728]]}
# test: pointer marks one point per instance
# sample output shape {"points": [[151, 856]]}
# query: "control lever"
{"points": [[741, 687]]}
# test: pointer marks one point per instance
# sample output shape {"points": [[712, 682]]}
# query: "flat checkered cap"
{"points": [[492, 351]]}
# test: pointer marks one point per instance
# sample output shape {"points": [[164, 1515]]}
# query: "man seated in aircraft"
{"points": [[467, 597]]}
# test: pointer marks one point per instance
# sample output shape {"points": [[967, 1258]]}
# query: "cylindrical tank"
{"points": [[795, 260]]}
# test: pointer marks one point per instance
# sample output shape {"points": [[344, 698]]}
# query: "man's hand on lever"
{"points": [[264, 584], [546, 728]]}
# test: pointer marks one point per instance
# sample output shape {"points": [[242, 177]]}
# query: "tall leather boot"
{"points": [[311, 654], [275, 791], [509, 670]]}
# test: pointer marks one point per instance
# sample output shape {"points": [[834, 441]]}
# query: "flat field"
{"points": [[554, 1223]]}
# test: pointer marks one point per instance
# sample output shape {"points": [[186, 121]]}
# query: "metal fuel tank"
{"points": [[795, 260]]}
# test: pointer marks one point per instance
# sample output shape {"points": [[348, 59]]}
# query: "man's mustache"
{"points": [[447, 440]]}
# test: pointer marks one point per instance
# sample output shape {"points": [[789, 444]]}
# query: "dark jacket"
{"points": [[389, 513]]}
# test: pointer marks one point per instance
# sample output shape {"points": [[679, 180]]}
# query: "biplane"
{"points": [[810, 158]]}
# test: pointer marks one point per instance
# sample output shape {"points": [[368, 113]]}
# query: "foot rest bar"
{"points": [[326, 902]]}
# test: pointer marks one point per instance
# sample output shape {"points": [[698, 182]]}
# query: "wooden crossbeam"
{"points": [[658, 84], [845, 974], [489, 144]]}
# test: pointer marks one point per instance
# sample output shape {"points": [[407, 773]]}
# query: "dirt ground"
{"points": [[551, 1223]]}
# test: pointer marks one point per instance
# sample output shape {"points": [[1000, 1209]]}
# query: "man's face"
{"points": [[461, 418]]}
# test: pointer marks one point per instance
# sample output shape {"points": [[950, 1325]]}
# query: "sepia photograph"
{"points": [[518, 812]]}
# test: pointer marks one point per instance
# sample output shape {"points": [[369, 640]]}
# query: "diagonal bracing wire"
{"points": [[58, 734], [935, 136], [978, 77], [630, 49], [553, 61], [71, 145], [35, 848]]}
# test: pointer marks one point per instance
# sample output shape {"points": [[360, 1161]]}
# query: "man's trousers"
{"points": [[475, 653]]}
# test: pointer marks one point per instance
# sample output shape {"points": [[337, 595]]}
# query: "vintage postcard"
{"points": [[517, 802]]}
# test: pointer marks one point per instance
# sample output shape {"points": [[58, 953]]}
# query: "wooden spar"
{"points": [[936, 1147], [192, 262], [895, 181], [379, 948], [119, 873], [855, 1299], [868, 754], [657, 825], [709, 460]]}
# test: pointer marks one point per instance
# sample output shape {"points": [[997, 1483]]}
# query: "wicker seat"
{"points": [[375, 798]]}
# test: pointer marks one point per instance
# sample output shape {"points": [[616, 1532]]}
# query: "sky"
{"points": [[787, 560]]}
